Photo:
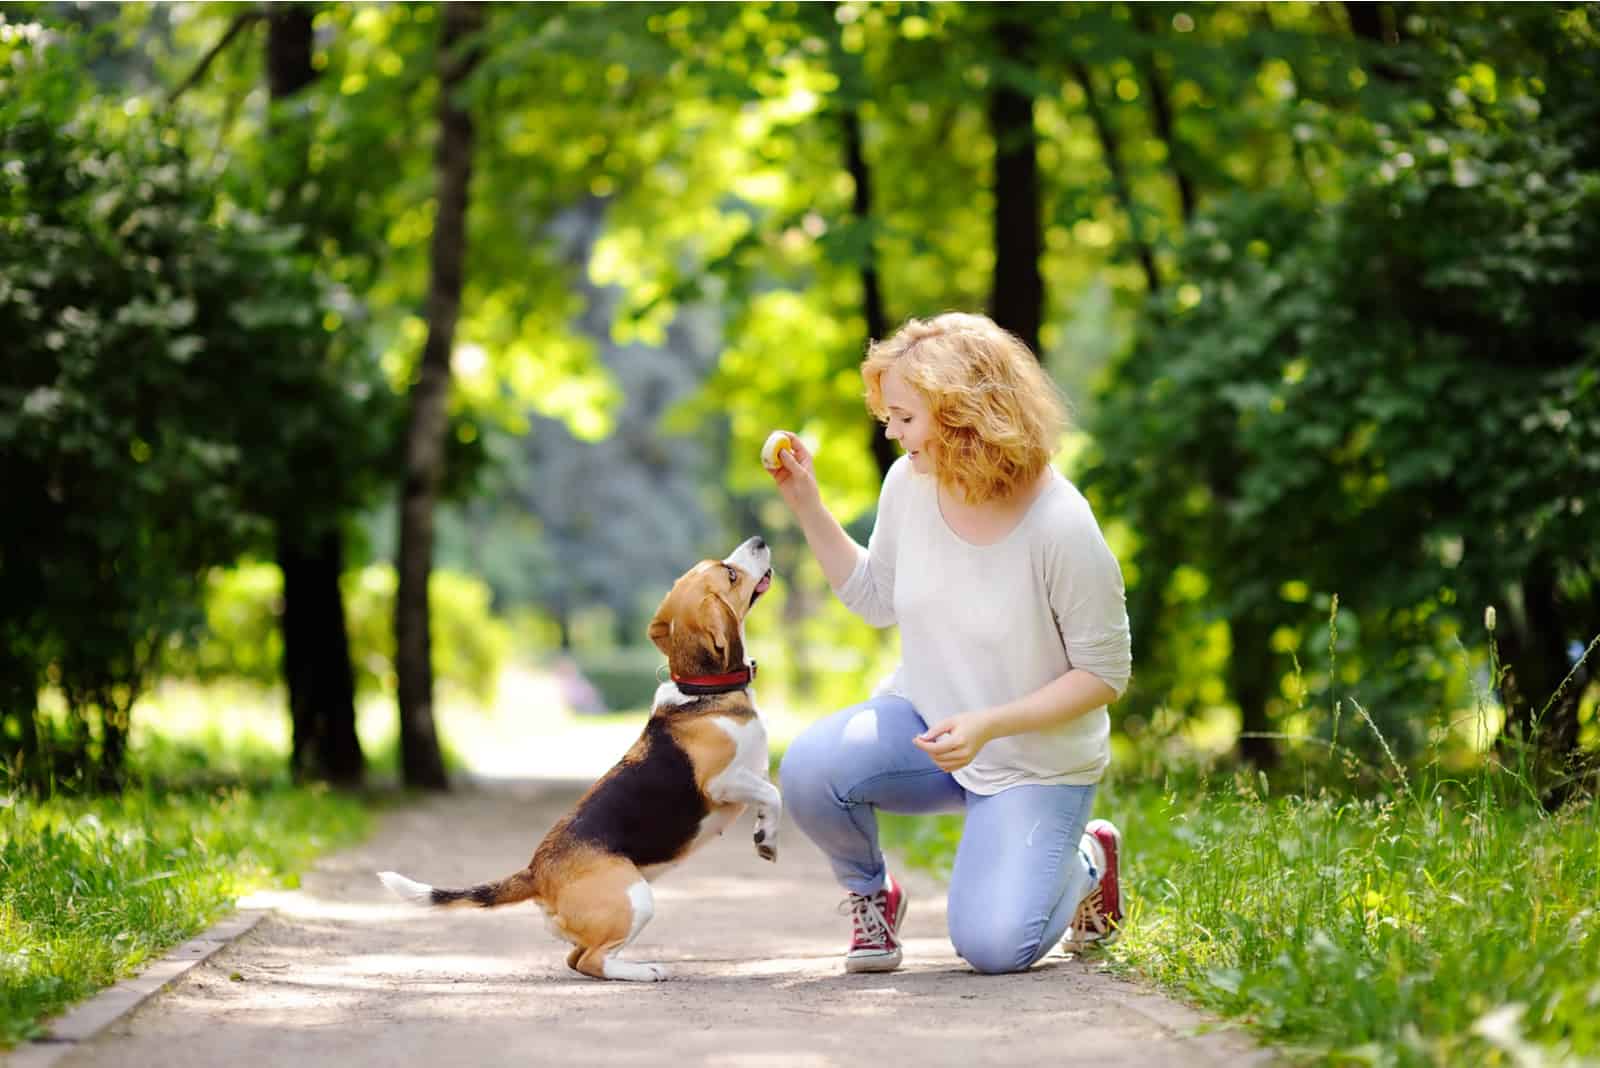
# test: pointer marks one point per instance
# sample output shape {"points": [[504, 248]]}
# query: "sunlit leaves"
{"points": [[1374, 377]]}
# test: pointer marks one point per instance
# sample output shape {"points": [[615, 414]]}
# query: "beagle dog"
{"points": [[701, 759]]}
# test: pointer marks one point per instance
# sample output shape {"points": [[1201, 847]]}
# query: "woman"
{"points": [[1014, 638]]}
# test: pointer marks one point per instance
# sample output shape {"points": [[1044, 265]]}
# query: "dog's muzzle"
{"points": [[754, 557]]}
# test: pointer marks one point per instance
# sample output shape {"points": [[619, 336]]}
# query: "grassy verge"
{"points": [[1441, 927], [92, 888]]}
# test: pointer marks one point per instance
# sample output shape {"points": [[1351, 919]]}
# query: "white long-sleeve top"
{"points": [[981, 625]]}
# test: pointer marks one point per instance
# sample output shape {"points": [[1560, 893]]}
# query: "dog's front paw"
{"points": [[766, 837]]}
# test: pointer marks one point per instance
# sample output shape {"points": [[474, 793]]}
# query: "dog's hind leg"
{"points": [[606, 914], [612, 968]]}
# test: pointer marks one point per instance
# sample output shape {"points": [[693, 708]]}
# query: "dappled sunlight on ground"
{"points": [[312, 907]]}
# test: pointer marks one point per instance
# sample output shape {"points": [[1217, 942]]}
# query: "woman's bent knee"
{"points": [[846, 744], [996, 949]]}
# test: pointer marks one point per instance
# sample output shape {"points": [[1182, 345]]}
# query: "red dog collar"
{"points": [[704, 685]]}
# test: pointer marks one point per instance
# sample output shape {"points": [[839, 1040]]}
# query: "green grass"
{"points": [[92, 888], [1442, 925]]}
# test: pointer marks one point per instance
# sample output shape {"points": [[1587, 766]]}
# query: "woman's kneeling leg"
{"points": [[1018, 874]]}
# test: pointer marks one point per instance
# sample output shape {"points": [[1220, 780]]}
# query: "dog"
{"points": [[701, 760]]}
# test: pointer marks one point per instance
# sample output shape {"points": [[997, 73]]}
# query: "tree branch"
{"points": [[239, 23], [1119, 180], [1161, 113]]}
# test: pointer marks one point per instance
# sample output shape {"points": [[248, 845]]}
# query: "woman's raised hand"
{"points": [[795, 474]]}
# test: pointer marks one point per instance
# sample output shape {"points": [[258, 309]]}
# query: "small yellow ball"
{"points": [[777, 442]]}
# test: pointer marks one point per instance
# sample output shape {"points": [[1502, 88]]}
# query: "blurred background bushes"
{"points": [[240, 638]]}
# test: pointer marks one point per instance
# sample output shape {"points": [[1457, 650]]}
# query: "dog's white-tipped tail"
{"points": [[409, 889]]}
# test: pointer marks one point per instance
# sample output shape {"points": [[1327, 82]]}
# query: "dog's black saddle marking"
{"points": [[647, 811]]}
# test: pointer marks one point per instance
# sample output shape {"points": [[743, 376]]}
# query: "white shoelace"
{"points": [[870, 925]]}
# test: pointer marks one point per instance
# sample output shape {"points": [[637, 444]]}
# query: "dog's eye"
{"points": [[733, 575]]}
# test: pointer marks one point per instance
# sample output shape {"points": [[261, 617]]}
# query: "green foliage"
{"points": [[1414, 934], [1394, 397], [177, 381], [241, 640], [1379, 931], [90, 890], [469, 644]]}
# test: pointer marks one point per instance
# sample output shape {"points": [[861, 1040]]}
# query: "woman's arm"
{"points": [[862, 578], [953, 742], [835, 550], [1056, 703]]}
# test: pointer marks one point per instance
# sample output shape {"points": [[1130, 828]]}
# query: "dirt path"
{"points": [[344, 975]]}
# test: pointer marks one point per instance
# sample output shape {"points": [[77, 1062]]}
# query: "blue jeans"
{"points": [[1019, 872]]}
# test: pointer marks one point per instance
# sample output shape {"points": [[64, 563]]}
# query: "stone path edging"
{"points": [[87, 1019]]}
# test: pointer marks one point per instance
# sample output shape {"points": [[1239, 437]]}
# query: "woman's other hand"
{"points": [[953, 742]]}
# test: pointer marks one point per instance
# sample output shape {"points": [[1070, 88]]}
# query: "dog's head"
{"points": [[700, 624]]}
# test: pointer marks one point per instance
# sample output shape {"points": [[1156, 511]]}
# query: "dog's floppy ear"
{"points": [[707, 642], [661, 628]]}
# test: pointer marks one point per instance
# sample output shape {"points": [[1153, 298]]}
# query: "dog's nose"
{"points": [[757, 542]]}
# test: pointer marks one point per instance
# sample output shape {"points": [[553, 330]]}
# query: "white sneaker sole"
{"points": [[877, 962]]}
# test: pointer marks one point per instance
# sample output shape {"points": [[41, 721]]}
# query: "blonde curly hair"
{"points": [[996, 415]]}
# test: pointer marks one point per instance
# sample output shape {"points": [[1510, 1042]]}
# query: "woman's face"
{"points": [[910, 422]]}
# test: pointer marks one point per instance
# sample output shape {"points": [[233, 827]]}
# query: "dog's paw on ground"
{"points": [[634, 972]]}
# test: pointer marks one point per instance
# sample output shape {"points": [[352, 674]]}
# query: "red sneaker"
{"points": [[875, 928], [1098, 921]]}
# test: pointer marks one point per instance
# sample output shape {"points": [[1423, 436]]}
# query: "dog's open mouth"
{"points": [[762, 585]]}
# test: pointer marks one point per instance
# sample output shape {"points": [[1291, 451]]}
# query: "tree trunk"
{"points": [[422, 764], [1017, 300], [19, 701], [1366, 22], [1249, 679], [1252, 679], [1371, 22], [883, 450], [316, 643], [111, 770], [1535, 651], [316, 662], [290, 36]]}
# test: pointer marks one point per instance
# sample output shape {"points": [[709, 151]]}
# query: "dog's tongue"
{"points": [[765, 583]]}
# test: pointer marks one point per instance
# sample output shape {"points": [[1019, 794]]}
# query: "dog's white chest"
{"points": [[749, 745], [750, 755]]}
